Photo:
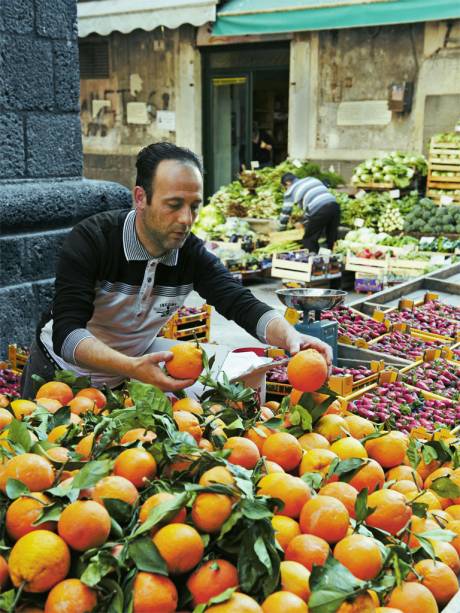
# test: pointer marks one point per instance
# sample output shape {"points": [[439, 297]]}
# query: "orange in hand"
{"points": [[307, 370], [187, 361]]}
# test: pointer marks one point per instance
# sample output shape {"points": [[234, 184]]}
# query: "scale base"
{"points": [[326, 330]]}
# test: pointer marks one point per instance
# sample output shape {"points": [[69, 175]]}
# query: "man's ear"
{"points": [[140, 198]]}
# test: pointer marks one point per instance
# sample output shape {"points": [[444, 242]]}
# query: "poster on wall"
{"points": [[166, 120]]}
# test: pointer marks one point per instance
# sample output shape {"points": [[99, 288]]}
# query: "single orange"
{"points": [[391, 511], [211, 579], [370, 475], [344, 492], [325, 517], [285, 529], [80, 405], [71, 595], [210, 511], [157, 499], [116, 487], [93, 394], [217, 474], [403, 472], [361, 555], [154, 594], [57, 390], [307, 371], [188, 422], [23, 512], [438, 578], [187, 361], [84, 524], [332, 427], [292, 491], [21, 407], [243, 451], [284, 601], [307, 549], [31, 469], [40, 559], [359, 427], [388, 450], [237, 603], [284, 449], [317, 461], [188, 404], [295, 578], [411, 597], [51, 404], [180, 546], [137, 465], [313, 440]]}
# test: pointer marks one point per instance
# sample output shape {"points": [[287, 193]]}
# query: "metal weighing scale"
{"points": [[311, 302]]}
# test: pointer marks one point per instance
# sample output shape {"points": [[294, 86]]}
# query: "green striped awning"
{"points": [[240, 17]]}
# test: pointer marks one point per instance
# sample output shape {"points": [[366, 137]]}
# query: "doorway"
{"points": [[243, 86]]}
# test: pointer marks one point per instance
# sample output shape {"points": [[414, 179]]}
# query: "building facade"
{"points": [[193, 74]]}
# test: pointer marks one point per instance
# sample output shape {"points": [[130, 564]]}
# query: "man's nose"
{"points": [[186, 216]]}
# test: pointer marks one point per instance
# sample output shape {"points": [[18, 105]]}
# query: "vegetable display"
{"points": [[353, 324], [398, 169], [430, 219], [359, 373], [424, 319], [404, 408], [404, 345], [438, 376], [442, 309]]}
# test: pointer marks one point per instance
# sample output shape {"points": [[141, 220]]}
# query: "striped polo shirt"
{"points": [[311, 193], [109, 287]]}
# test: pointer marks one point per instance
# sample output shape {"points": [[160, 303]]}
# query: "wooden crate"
{"points": [[189, 327], [299, 271], [439, 162], [17, 357], [379, 268]]}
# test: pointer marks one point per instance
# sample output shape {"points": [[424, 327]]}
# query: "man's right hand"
{"points": [[146, 369]]}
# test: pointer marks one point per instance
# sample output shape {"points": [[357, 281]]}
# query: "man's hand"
{"points": [[146, 369], [281, 334]]}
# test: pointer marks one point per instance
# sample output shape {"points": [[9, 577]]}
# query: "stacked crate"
{"points": [[444, 172], [189, 327]]}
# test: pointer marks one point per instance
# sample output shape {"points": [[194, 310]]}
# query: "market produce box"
{"points": [[189, 323], [434, 374], [17, 356], [423, 319], [376, 266], [404, 407], [354, 327], [365, 283], [300, 265], [407, 344]]}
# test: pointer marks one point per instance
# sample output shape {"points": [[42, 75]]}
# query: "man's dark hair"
{"points": [[288, 177], [149, 157]]}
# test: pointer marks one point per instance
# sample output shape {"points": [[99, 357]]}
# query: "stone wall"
{"points": [[42, 193]]}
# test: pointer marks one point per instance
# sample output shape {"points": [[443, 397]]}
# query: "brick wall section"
{"points": [[42, 192]]}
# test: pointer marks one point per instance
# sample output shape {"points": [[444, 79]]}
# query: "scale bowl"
{"points": [[311, 299]]}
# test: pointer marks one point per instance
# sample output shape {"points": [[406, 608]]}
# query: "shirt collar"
{"points": [[133, 248]]}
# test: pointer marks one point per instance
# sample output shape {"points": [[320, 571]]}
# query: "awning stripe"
{"points": [[106, 16], [243, 17]]}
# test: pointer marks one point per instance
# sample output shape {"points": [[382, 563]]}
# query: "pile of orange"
{"points": [[158, 508]]}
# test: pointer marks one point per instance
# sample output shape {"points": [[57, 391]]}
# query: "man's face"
{"points": [[167, 219]]}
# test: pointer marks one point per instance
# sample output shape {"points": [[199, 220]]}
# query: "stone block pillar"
{"points": [[42, 191]]}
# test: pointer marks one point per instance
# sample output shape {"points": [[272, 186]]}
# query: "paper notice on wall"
{"points": [[97, 105], [166, 120], [136, 113], [363, 113]]}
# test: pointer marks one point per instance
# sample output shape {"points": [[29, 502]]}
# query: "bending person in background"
{"points": [[320, 208], [122, 274]]}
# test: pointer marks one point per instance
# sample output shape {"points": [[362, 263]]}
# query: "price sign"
{"points": [[446, 199], [297, 163], [359, 223], [255, 164], [394, 193]]}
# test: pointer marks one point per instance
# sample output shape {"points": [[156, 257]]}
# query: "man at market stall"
{"points": [[122, 274], [321, 211]]}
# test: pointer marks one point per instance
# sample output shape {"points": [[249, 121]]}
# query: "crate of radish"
{"points": [[9, 384], [435, 307], [405, 408], [407, 345], [438, 376], [353, 325], [424, 320]]}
